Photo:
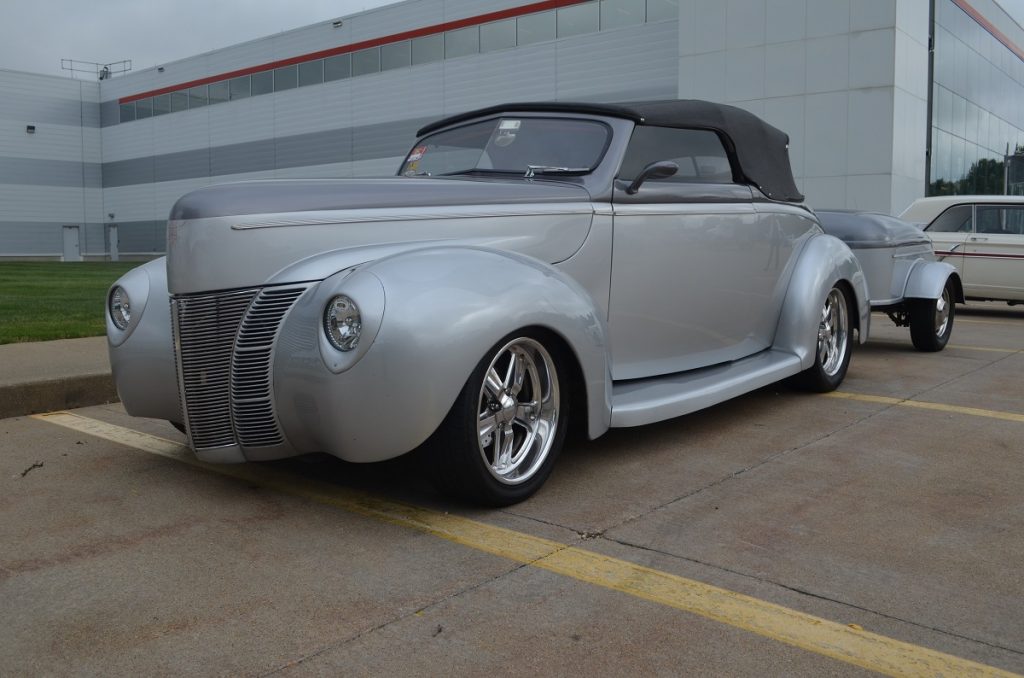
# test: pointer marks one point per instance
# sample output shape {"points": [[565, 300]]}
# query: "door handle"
{"points": [[975, 238]]}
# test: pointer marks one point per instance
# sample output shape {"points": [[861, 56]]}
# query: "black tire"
{"points": [[834, 344], [466, 462], [931, 320]]}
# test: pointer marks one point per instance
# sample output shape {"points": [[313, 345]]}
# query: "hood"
{"points": [[269, 197], [247, 234]]}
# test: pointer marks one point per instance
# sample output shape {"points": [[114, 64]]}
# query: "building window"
{"points": [[366, 61], [337, 67], [286, 77], [179, 101], [461, 42], [161, 104], [262, 83], [498, 35], [311, 73], [661, 10], [621, 13], [197, 96], [579, 19], [239, 87], [219, 92], [395, 55], [535, 28], [428, 48]]}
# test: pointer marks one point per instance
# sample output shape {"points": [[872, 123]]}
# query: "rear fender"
{"points": [[928, 278], [824, 261]]}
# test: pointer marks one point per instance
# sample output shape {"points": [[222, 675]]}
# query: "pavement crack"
{"points": [[812, 594], [435, 631], [31, 468]]}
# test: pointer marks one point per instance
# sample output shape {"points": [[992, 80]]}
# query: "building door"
{"points": [[72, 244]]}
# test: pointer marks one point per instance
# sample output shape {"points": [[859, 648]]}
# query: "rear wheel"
{"points": [[500, 440], [931, 321], [832, 357]]}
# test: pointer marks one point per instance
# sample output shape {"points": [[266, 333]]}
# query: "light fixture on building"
{"points": [[30, 129]]}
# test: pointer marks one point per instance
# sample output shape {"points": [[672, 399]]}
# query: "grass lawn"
{"points": [[54, 300]]}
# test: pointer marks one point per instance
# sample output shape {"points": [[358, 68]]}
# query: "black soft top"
{"points": [[760, 151]]}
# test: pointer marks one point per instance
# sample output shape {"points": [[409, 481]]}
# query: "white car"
{"points": [[982, 236]]}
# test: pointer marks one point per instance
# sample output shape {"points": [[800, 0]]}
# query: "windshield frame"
{"points": [[476, 171]]}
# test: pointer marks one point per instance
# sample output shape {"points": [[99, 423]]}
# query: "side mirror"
{"points": [[656, 170]]}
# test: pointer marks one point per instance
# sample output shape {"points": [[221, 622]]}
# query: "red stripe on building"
{"points": [[987, 25], [365, 44]]}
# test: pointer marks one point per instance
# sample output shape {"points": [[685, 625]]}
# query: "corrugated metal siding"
{"points": [[50, 177], [641, 62]]}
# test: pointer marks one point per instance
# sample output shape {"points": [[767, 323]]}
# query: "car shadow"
{"points": [[991, 309]]}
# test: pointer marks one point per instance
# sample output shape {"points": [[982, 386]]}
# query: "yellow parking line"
{"points": [[923, 405], [984, 348], [847, 643], [961, 319]]}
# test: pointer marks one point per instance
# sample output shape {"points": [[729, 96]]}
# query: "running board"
{"points": [[644, 401]]}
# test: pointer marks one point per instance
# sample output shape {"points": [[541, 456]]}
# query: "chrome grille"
{"points": [[252, 404], [206, 327]]}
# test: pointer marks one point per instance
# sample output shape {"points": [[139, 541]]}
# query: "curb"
{"points": [[18, 400]]}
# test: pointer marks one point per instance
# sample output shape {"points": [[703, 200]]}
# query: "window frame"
{"points": [[735, 178]]}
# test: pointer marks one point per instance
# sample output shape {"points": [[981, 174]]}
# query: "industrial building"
{"points": [[884, 101]]}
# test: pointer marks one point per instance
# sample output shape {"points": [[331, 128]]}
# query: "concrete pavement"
{"points": [[892, 513], [43, 376]]}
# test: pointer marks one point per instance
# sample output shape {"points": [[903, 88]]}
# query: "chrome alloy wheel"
{"points": [[942, 305], [517, 415], [833, 333]]}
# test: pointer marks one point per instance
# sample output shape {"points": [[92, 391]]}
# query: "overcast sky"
{"points": [[36, 34]]}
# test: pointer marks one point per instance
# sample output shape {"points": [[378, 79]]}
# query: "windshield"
{"points": [[512, 145]]}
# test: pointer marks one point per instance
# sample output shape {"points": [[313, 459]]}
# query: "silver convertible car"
{"points": [[531, 267]]}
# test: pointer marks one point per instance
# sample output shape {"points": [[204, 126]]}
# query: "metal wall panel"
{"points": [[30, 238], [20, 202], [50, 164], [142, 237], [525, 74], [35, 171], [641, 62], [48, 142]]}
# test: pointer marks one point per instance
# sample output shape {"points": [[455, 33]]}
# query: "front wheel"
{"points": [[832, 357], [931, 321], [500, 440]]}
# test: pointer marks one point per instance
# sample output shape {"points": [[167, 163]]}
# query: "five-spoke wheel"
{"points": [[500, 440], [832, 357], [517, 414]]}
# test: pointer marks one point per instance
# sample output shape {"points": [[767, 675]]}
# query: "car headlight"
{"points": [[120, 308], [342, 323]]}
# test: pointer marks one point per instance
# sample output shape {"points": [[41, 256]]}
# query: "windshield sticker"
{"points": [[510, 125], [417, 153]]}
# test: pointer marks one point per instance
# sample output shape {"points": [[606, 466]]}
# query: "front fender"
{"points": [[142, 357], [928, 278], [823, 262], [444, 308]]}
